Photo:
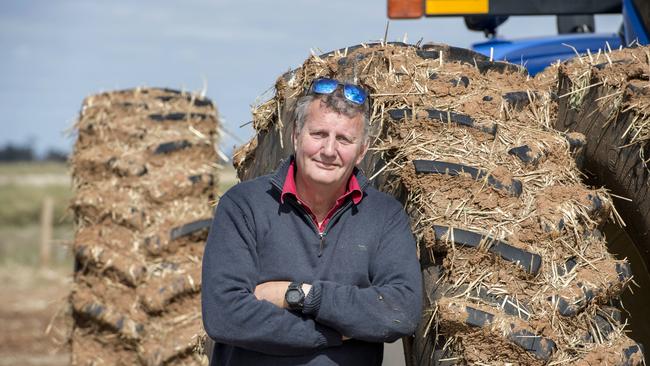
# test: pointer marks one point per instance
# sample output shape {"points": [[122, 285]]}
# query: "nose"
{"points": [[329, 146]]}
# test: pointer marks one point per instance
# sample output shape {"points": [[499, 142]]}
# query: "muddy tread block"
{"points": [[163, 348], [179, 116], [435, 288], [165, 186], [541, 347], [604, 322], [161, 290], [158, 239], [614, 353], [105, 315], [167, 147], [567, 266], [444, 117], [632, 355], [128, 269], [509, 305], [428, 54], [350, 49], [95, 203], [173, 336], [189, 228], [576, 140], [500, 67], [525, 154], [614, 277], [518, 99], [453, 169], [478, 318], [570, 308], [463, 80], [451, 53], [530, 262]]}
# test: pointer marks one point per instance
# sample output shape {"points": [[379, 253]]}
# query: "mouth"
{"points": [[323, 165]]}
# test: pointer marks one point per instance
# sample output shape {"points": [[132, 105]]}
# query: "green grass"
{"points": [[22, 204], [20, 245], [22, 201], [36, 167]]}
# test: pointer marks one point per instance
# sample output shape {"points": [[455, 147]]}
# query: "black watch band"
{"points": [[295, 296]]}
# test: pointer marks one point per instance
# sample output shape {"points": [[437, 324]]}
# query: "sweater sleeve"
{"points": [[387, 310], [231, 312]]}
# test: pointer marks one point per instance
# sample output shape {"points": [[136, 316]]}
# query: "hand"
{"points": [[274, 291]]}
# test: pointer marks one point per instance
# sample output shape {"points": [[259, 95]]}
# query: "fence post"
{"points": [[47, 214]]}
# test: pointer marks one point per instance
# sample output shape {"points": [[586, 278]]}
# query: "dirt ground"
{"points": [[30, 300]]}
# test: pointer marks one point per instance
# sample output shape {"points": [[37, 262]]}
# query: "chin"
{"points": [[326, 178]]}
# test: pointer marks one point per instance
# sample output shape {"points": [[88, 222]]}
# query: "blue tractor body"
{"points": [[539, 52]]}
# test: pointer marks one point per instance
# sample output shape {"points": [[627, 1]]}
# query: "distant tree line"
{"points": [[15, 153]]}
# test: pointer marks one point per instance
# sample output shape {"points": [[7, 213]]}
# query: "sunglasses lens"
{"points": [[324, 86], [355, 94], [351, 92]]}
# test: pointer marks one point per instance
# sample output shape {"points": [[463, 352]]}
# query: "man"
{"points": [[311, 265]]}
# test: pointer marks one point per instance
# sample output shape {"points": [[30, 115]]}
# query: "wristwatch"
{"points": [[294, 296]]}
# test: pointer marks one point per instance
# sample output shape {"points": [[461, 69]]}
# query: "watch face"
{"points": [[293, 296]]}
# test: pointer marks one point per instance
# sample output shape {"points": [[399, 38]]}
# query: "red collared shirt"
{"points": [[353, 190]]}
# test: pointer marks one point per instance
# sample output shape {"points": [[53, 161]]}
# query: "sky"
{"points": [[56, 52]]}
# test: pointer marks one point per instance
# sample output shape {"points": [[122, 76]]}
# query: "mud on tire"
{"points": [[144, 175], [606, 99], [515, 268]]}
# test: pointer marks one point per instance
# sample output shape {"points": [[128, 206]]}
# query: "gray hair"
{"points": [[336, 102]]}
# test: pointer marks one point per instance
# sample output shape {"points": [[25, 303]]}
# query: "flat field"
{"points": [[34, 303]]}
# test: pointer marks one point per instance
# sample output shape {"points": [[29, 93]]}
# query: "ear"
{"points": [[294, 138]]}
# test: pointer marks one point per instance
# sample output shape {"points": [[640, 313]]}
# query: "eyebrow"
{"points": [[319, 129]]}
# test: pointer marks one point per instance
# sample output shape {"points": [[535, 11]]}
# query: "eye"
{"points": [[318, 134], [344, 139]]}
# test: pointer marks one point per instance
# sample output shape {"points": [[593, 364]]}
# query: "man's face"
{"points": [[328, 146]]}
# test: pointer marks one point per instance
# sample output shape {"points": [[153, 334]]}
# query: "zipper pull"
{"points": [[322, 243]]}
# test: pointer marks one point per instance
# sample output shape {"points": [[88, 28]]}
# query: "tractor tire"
{"points": [[143, 168], [515, 268], [607, 99]]}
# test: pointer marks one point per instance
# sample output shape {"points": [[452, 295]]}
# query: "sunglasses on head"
{"points": [[353, 93]]}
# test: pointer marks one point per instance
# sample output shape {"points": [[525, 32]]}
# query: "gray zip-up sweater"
{"points": [[366, 282]]}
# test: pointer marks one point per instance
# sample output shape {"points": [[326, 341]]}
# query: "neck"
{"points": [[320, 198]]}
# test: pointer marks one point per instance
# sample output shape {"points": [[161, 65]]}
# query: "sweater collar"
{"points": [[352, 188]]}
